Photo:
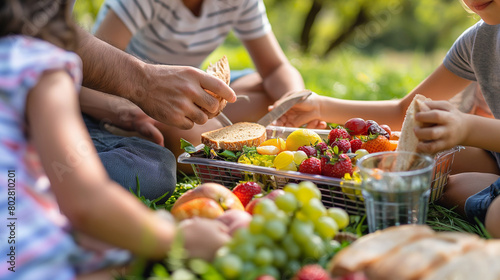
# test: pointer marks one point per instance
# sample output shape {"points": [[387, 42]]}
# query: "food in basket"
{"points": [[220, 70], [207, 200], [417, 252], [235, 136]]}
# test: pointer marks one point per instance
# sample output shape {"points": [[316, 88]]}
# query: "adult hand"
{"points": [[443, 127], [203, 237], [306, 112], [175, 95]]}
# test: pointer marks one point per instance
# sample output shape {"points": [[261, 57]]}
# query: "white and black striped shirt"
{"points": [[166, 32]]}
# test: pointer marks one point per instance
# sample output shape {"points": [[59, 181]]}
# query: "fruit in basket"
{"points": [[302, 137], [299, 157], [219, 194], [377, 144], [246, 191], [336, 165], [355, 144], [344, 145], [268, 150], [338, 133], [311, 166], [375, 129], [198, 207], [309, 150], [277, 142], [387, 129], [356, 126], [285, 161]]}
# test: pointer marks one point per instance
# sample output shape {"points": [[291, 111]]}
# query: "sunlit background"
{"points": [[357, 49]]}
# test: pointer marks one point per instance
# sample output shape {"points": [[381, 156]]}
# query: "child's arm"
{"points": [[440, 85], [120, 112], [278, 75], [445, 127], [92, 202]]}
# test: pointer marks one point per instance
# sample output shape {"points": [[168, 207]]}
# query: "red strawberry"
{"points": [[309, 150], [246, 191], [356, 144], [311, 166], [321, 147], [338, 133], [343, 144], [312, 272], [337, 166], [377, 144]]}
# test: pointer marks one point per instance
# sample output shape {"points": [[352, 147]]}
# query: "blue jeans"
{"points": [[126, 158], [236, 74], [477, 205]]}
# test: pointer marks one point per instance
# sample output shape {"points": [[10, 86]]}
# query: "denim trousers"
{"points": [[131, 159]]}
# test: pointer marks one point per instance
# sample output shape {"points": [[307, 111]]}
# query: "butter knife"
{"points": [[284, 106]]}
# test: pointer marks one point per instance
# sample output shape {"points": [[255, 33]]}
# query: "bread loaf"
{"points": [[220, 70], [235, 136]]}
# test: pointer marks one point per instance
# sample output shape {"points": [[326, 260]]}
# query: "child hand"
{"points": [[203, 237], [443, 127], [306, 112]]}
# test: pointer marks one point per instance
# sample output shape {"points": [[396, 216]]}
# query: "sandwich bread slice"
{"points": [[408, 141], [235, 136], [220, 70]]}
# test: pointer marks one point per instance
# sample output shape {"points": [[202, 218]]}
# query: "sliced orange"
{"points": [[268, 150], [277, 142], [393, 145]]}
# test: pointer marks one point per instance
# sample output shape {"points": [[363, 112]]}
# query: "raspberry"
{"points": [[343, 144], [356, 144], [309, 150], [311, 166], [246, 191], [338, 133]]}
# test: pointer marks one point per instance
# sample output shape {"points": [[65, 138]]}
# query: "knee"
{"points": [[492, 221]]}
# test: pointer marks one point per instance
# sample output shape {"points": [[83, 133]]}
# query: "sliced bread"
{"points": [[235, 136], [220, 70], [408, 141]]}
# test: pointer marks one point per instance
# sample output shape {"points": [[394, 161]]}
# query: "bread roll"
{"points": [[235, 136], [220, 70]]}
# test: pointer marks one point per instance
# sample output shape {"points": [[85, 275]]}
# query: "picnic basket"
{"points": [[335, 192]]}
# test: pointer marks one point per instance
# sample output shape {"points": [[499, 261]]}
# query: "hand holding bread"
{"points": [[220, 70]]}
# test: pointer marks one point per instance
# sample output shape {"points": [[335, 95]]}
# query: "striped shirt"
{"points": [[36, 245], [166, 32]]}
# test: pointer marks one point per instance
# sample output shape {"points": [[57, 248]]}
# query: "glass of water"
{"points": [[396, 188]]}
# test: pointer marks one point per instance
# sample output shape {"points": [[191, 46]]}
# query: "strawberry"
{"points": [[377, 144], [338, 133], [311, 166], [336, 166], [356, 144], [321, 147], [246, 191], [343, 144], [309, 150], [312, 272]]}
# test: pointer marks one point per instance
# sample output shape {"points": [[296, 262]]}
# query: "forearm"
{"points": [[283, 79], [110, 70], [482, 132], [102, 106]]}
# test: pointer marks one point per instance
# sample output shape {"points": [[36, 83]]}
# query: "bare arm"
{"points": [[440, 85], [279, 76], [91, 201], [173, 95]]}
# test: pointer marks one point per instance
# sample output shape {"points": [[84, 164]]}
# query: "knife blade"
{"points": [[284, 106]]}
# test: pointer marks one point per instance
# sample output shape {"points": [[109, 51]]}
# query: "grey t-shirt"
{"points": [[476, 56]]}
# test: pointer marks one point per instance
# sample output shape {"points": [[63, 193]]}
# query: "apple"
{"points": [[198, 207], [219, 193]]}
